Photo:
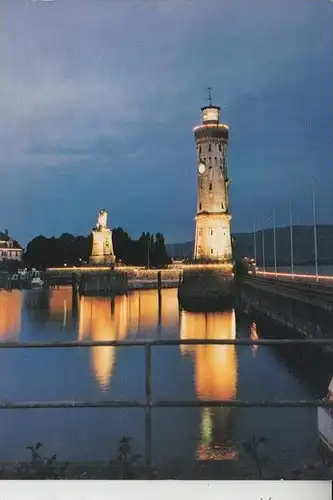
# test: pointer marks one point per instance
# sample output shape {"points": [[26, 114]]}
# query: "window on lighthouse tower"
{"points": [[209, 147]]}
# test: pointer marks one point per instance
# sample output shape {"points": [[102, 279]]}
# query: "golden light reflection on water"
{"points": [[10, 314], [99, 320], [60, 304], [105, 319], [254, 336], [146, 313], [170, 309], [215, 378], [139, 313]]}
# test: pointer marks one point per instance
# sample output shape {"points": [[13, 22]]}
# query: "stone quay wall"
{"points": [[308, 320]]}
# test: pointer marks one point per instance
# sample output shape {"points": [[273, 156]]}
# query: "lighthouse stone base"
{"points": [[206, 290]]}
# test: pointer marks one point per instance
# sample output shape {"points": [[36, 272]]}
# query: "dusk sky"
{"points": [[98, 99]]}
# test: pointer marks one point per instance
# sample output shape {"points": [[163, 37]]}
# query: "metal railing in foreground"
{"points": [[148, 404]]}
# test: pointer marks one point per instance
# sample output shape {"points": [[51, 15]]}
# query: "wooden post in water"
{"points": [[110, 288], [159, 281], [81, 285], [113, 306], [74, 295]]}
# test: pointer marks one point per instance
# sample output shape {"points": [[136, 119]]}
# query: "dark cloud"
{"points": [[98, 100]]}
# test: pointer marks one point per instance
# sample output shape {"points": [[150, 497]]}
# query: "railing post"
{"points": [[148, 407]]}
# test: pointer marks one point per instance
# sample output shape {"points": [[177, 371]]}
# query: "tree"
{"points": [[122, 245], [44, 252], [72, 250], [160, 256]]}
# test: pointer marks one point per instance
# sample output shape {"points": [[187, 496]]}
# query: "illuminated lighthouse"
{"points": [[212, 231]]}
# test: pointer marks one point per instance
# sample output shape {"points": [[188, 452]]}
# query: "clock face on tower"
{"points": [[201, 168]]}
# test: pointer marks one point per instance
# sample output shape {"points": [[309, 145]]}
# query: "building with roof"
{"points": [[10, 249]]}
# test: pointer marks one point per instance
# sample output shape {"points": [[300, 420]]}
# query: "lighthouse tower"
{"points": [[212, 231]]}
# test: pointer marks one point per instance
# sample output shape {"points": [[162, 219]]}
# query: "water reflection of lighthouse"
{"points": [[215, 378]]}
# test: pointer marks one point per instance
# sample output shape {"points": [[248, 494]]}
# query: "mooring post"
{"points": [[113, 306], [74, 294], [159, 294], [80, 286], [109, 286]]}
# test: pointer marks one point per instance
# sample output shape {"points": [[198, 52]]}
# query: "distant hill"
{"points": [[303, 243]]}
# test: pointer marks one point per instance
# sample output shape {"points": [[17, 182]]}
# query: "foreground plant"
{"points": [[252, 449], [41, 467], [126, 465], [320, 468]]}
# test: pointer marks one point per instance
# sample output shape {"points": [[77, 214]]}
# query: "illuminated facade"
{"points": [[212, 232], [102, 247], [9, 249]]}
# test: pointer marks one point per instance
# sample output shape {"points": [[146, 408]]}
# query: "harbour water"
{"points": [[180, 437]]}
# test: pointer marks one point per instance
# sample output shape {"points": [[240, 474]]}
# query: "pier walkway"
{"points": [[305, 290], [298, 304]]}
